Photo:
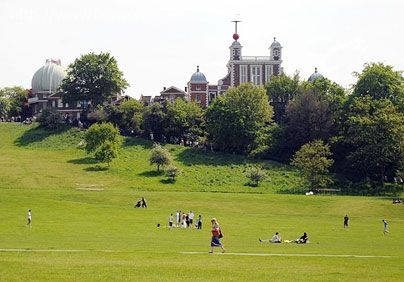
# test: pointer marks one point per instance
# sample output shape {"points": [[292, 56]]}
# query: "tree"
{"points": [[154, 118], [106, 152], [313, 161], [50, 119], [127, 116], [159, 156], [183, 120], [93, 77], [256, 175], [374, 130], [380, 81], [13, 101], [308, 117], [99, 134], [238, 121], [281, 89], [172, 172]]}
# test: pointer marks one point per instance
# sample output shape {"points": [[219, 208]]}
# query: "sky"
{"points": [[159, 43]]}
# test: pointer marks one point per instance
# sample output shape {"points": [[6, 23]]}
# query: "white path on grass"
{"points": [[195, 253], [56, 250], [287, 255]]}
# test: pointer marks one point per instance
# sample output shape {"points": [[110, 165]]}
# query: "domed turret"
{"points": [[198, 77], [49, 77], [276, 50], [315, 75]]}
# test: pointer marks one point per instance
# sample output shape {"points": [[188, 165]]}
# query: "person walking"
{"points": [[385, 226], [346, 219], [29, 218], [216, 235]]}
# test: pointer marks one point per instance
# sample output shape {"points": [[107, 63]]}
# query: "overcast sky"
{"points": [[159, 43]]}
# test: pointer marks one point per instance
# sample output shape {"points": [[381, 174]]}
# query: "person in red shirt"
{"points": [[216, 235]]}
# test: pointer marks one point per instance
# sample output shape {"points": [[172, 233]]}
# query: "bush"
{"points": [[50, 119]]}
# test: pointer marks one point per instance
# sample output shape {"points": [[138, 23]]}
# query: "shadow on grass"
{"points": [[168, 181], [137, 141], [96, 168], [151, 173], [196, 156], [86, 160], [38, 134]]}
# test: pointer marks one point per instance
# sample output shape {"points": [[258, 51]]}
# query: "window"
{"points": [[60, 103], [198, 98], [256, 75], [243, 74], [269, 70]]}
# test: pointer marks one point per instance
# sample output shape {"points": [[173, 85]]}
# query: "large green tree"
{"points": [[13, 101], [374, 130], [281, 89], [380, 81], [127, 116], [93, 77], [153, 121], [308, 117], [239, 121], [183, 120], [313, 160], [103, 140]]}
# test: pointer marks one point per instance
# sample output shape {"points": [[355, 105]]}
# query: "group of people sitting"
{"points": [[141, 203], [277, 239]]}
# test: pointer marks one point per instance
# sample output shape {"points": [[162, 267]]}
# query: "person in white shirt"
{"points": [[275, 239], [29, 218]]}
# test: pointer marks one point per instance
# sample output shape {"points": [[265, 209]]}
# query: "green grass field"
{"points": [[85, 227]]}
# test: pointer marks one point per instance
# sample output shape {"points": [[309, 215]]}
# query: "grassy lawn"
{"points": [[86, 229]]}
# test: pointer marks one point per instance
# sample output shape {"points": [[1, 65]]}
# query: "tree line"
{"points": [[358, 133]]}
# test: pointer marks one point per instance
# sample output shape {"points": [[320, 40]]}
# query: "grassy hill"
{"points": [[86, 229], [37, 150]]}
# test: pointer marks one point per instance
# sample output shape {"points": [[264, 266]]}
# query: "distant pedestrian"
{"points": [[199, 223], [29, 218], [346, 219], [170, 221], [144, 204], [385, 226]]}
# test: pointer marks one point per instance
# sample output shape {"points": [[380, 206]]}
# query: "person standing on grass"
{"points": [[216, 235], [29, 218], [346, 219], [170, 221], [385, 226], [199, 224]]}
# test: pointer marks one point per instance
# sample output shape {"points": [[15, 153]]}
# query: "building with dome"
{"points": [[314, 76], [45, 90], [240, 69]]}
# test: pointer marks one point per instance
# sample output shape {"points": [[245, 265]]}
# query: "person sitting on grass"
{"points": [[275, 239], [302, 240]]}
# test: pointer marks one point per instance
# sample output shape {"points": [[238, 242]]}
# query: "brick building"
{"points": [[241, 69]]}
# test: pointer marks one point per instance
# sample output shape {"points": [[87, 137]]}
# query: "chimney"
{"points": [[164, 88]]}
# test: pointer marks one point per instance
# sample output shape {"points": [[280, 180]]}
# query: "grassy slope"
{"points": [[48, 175]]}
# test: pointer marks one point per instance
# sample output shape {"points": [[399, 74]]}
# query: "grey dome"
{"points": [[198, 77], [315, 75], [49, 77], [275, 44]]}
